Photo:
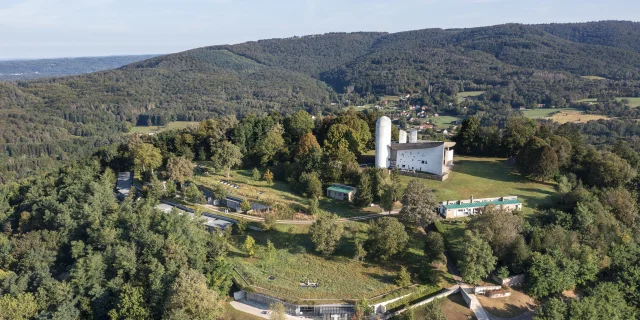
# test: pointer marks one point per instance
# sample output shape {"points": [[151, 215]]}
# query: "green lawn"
{"points": [[487, 177], [278, 192], [462, 95], [339, 276], [544, 112], [633, 101], [444, 121], [170, 126], [390, 98]]}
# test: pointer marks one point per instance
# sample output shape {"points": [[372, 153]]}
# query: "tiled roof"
{"points": [[481, 204], [341, 189]]}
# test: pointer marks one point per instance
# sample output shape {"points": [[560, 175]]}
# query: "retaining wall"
{"points": [[478, 290]]}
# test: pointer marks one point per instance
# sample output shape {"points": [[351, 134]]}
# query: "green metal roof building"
{"points": [[341, 192], [465, 208]]}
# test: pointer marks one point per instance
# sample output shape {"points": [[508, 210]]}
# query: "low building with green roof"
{"points": [[468, 207], [341, 192]]}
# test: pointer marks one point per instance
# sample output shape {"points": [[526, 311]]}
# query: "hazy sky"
{"points": [[66, 28]]}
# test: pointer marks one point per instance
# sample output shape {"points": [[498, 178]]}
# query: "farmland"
{"points": [[633, 102], [462, 95], [444, 121], [576, 116]]}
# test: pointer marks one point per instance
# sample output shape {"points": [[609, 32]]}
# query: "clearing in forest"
{"points": [[575, 116], [169, 126]]}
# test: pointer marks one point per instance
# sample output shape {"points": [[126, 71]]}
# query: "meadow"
{"points": [[276, 193], [445, 121], [487, 177], [542, 113], [576, 117], [633, 101], [462, 95], [169, 126], [340, 277]]}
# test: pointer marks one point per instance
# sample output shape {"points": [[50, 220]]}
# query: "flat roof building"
{"points": [[468, 207], [341, 192], [124, 184]]}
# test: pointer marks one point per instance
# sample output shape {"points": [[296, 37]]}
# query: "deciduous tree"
{"points": [[386, 238], [478, 260], [418, 205], [180, 169], [326, 233], [226, 155]]}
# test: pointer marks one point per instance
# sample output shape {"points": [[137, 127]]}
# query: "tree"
{"points": [[362, 309], [147, 156], [313, 206], [466, 139], [308, 154], [278, 311], [517, 132], [311, 185], [610, 171], [270, 145], [180, 169], [622, 203], [268, 176], [171, 189], [245, 206], [433, 310], [553, 309], [255, 174], [297, 125], [550, 274], [386, 238], [499, 227], [326, 233], [193, 194], [386, 201], [190, 298], [363, 197], [156, 189], [403, 278], [478, 260], [537, 160], [605, 301], [249, 244], [271, 251], [241, 226], [418, 205], [360, 252], [22, 307], [226, 155], [433, 247], [131, 304], [396, 185]]}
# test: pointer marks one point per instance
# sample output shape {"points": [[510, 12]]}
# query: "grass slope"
{"points": [[444, 121], [487, 177], [633, 101]]}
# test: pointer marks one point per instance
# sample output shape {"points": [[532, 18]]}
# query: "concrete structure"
{"points": [[211, 221], [413, 136], [383, 140], [431, 157], [468, 207], [341, 192], [513, 281], [402, 136], [234, 203]]}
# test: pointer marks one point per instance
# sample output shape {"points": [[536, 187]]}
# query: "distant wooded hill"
{"points": [[47, 68], [42, 121]]}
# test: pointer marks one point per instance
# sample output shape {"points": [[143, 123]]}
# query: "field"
{"points": [[339, 277], [487, 177], [462, 95], [390, 98], [576, 116], [633, 102], [594, 78], [277, 193], [156, 129], [541, 113], [444, 121]]}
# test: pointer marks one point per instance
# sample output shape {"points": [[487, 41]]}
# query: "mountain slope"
{"points": [[60, 118], [46, 68]]}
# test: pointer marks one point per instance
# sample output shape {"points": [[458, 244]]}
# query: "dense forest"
{"points": [[14, 70], [48, 121]]}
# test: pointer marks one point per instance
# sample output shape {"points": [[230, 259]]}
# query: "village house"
{"points": [[468, 207]]}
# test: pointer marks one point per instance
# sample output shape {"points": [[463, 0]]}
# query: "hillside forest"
{"points": [[48, 122]]}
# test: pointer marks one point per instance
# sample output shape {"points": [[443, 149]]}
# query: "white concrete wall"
{"points": [[448, 156], [412, 160]]}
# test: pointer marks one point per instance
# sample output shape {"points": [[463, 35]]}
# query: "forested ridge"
{"points": [[45, 68], [45, 121]]}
